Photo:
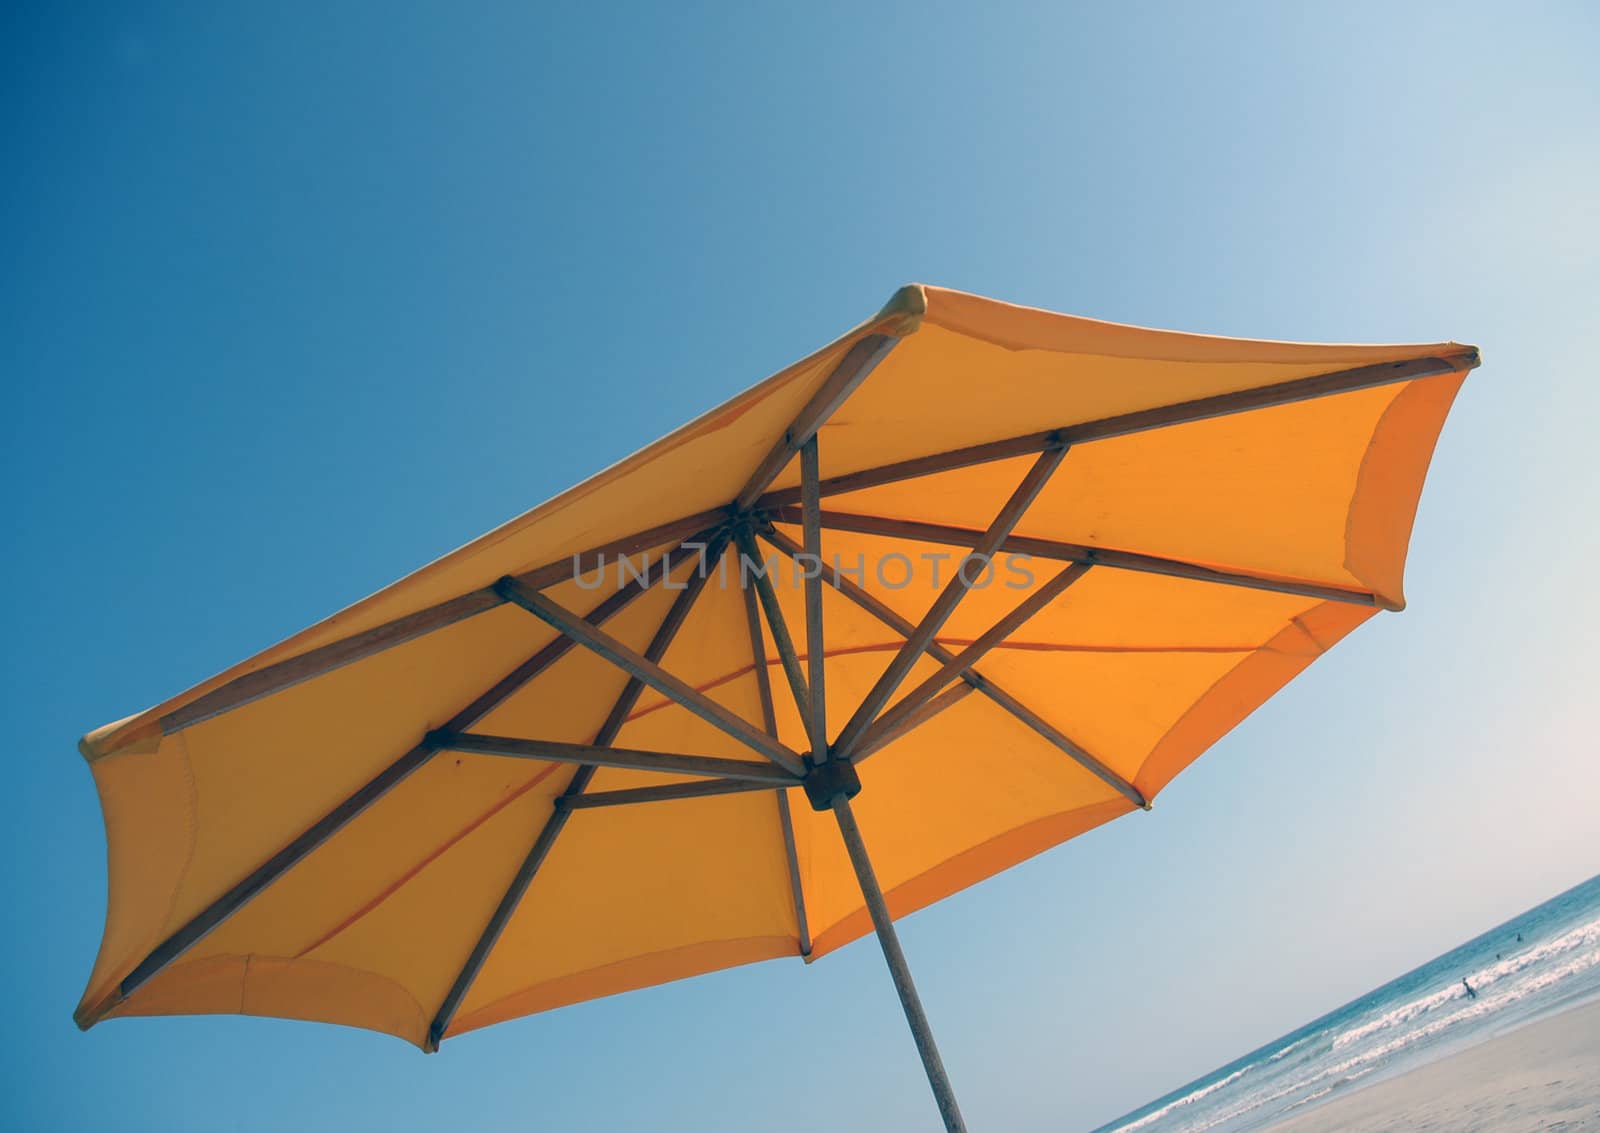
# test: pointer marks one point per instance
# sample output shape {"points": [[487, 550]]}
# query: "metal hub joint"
{"points": [[827, 781]]}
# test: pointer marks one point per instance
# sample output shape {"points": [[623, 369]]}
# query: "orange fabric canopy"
{"points": [[327, 830]]}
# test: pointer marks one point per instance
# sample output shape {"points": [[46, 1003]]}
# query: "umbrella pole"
{"points": [[920, 1031]]}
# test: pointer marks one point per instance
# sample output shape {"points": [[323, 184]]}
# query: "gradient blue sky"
{"points": [[294, 301]]}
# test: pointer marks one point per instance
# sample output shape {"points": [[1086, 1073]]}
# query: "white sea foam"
{"points": [[1257, 1101], [1372, 1045], [1205, 1091], [1580, 947], [1309, 1098], [1296, 1045], [1187, 1099], [1586, 936]]}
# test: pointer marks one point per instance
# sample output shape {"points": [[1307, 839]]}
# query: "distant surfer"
{"points": [[1470, 993]]}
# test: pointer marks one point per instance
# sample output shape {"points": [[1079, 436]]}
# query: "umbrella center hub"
{"points": [[827, 781]]}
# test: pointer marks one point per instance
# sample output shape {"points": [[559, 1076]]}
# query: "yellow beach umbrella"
{"points": [[1002, 571]]}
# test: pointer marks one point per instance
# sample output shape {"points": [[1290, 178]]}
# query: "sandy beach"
{"points": [[1545, 1076]]}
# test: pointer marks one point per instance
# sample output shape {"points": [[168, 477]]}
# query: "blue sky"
{"points": [[294, 301]]}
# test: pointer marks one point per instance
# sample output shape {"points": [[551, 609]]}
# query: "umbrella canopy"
{"points": [[709, 648]]}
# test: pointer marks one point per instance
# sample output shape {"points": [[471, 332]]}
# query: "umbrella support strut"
{"points": [[898, 970]]}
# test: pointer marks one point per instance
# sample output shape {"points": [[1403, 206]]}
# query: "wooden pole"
{"points": [[899, 970]]}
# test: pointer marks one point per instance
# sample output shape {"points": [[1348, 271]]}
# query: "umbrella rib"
{"points": [[781, 637], [1019, 615], [285, 674], [274, 678], [859, 361], [1124, 424], [878, 737], [816, 655], [708, 788], [1055, 550], [944, 605], [769, 721], [652, 674], [335, 820], [605, 756], [980, 683], [620, 709]]}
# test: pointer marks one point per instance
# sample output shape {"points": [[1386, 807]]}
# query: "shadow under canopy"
{"points": [[1022, 568]]}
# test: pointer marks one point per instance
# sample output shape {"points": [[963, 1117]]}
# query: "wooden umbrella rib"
{"points": [[944, 605], [629, 796], [285, 674], [665, 634], [863, 598], [1200, 409], [691, 530], [769, 721], [501, 916], [791, 856], [782, 640], [279, 676], [816, 654], [1018, 616], [919, 532], [635, 664], [677, 613], [859, 361], [1263, 397], [593, 755], [282, 675], [1064, 742], [1029, 444], [370, 792], [886, 731], [193, 931]]}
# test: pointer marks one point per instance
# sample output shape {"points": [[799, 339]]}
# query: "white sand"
{"points": [[1545, 1076]]}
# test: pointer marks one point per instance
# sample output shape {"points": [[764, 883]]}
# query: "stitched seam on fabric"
{"points": [[962, 643], [1358, 486], [640, 958], [439, 851], [191, 823], [1199, 702]]}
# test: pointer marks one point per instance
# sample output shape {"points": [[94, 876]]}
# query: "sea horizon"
{"points": [[1531, 966]]}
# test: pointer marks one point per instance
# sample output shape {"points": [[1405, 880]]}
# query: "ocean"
{"points": [[1534, 965]]}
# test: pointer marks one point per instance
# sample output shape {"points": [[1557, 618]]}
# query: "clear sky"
{"points": [[292, 302]]}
